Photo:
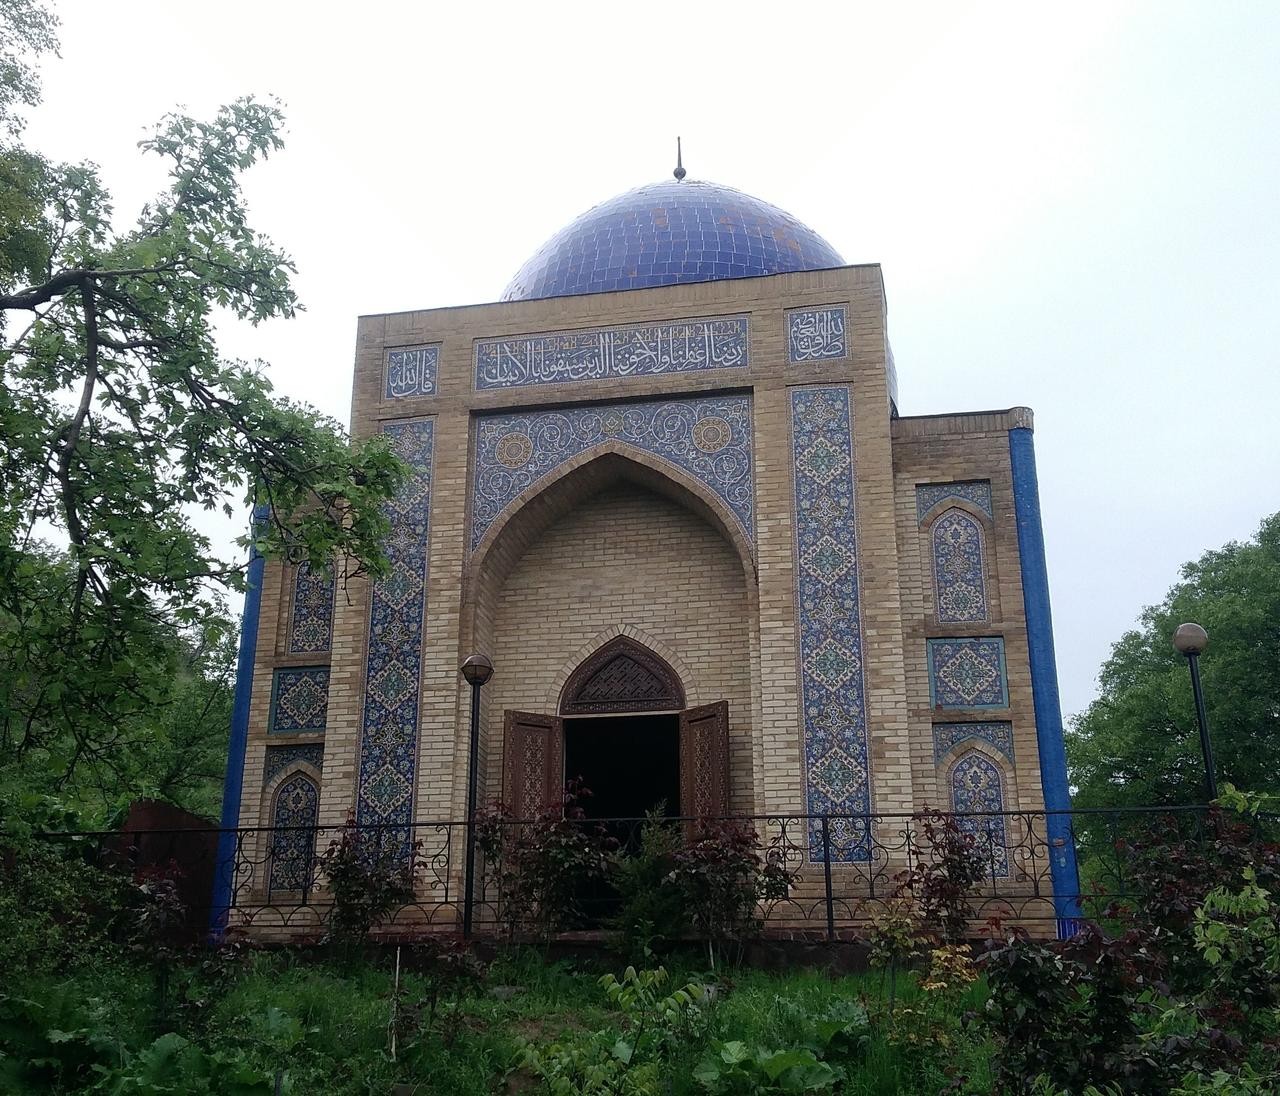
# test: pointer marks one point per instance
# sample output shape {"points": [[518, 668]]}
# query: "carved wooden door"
{"points": [[704, 760], [532, 763]]}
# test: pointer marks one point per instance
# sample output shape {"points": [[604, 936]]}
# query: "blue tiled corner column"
{"points": [[1044, 680], [233, 784]]}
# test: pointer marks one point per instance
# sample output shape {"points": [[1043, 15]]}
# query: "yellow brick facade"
{"points": [[618, 542]]}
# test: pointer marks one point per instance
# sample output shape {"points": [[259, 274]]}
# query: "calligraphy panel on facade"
{"points": [[389, 733], [976, 493], [948, 735], [639, 350], [411, 371], [817, 334], [829, 622], [299, 700], [959, 569], [311, 615], [967, 673], [976, 787], [708, 438]]}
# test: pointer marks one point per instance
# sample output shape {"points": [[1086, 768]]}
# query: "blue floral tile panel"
{"points": [[959, 569], [829, 631], [948, 735], [709, 438], [389, 729], [975, 492], [293, 817], [411, 371], [817, 335], [299, 700], [632, 351], [967, 673], [311, 616], [976, 786]]}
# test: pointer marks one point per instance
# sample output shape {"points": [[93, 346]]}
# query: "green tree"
{"points": [[120, 423], [1138, 743]]}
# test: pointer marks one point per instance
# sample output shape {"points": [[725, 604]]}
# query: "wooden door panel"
{"points": [[704, 760], [532, 763]]}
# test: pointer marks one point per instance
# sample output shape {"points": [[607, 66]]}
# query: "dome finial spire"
{"points": [[679, 172]]}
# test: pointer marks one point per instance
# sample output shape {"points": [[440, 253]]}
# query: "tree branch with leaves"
{"points": [[120, 422]]}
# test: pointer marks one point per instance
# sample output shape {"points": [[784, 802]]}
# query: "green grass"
{"points": [[327, 1024]]}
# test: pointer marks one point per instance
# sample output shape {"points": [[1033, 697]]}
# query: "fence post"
{"points": [[826, 875]]}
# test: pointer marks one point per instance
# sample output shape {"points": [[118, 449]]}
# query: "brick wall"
{"points": [[938, 449], [625, 558]]}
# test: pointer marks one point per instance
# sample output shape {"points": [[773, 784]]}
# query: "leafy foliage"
{"points": [[734, 1067], [941, 876], [55, 904], [370, 873], [120, 421], [1173, 868], [653, 914], [541, 867], [723, 876], [894, 939], [1186, 999], [600, 1064], [1137, 743]]}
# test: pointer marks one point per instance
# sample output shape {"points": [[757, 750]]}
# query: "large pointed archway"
{"points": [[614, 548]]}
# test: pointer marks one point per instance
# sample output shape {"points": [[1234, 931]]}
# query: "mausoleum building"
{"points": [[665, 484]]}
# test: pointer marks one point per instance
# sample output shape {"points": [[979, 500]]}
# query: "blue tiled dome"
{"points": [[669, 233]]}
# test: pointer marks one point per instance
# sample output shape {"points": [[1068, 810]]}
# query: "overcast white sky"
{"points": [[1076, 207]]}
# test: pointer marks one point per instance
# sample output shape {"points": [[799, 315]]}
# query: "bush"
{"points": [[942, 876], [370, 874], [653, 913], [1070, 1011], [1187, 1000], [619, 1063], [1171, 879], [539, 868], [722, 877]]}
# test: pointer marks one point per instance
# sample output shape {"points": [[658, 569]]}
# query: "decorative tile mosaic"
{"points": [[967, 673], [959, 569], [632, 351], [976, 493], [280, 758], [829, 622], [947, 735], [311, 617], [976, 786], [670, 233], [297, 804], [816, 334], [709, 438], [411, 371], [299, 700], [389, 734]]}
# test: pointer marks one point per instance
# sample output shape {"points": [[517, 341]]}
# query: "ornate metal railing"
{"points": [[845, 870]]}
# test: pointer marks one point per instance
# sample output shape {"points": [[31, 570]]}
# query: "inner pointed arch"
{"points": [[622, 676]]}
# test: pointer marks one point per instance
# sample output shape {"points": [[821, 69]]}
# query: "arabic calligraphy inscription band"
{"points": [[600, 353]]}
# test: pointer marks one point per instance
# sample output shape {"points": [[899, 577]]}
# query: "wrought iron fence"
{"points": [[845, 870]]}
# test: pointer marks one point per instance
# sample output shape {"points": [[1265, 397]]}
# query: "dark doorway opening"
{"points": [[631, 763]]}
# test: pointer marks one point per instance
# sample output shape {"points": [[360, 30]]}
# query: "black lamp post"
{"points": [[1190, 640], [477, 669]]}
